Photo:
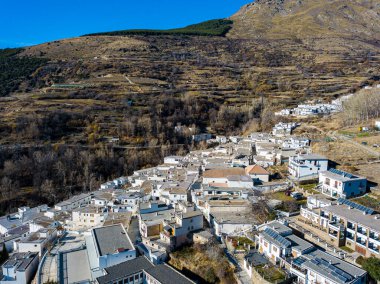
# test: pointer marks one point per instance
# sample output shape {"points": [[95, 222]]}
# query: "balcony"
{"points": [[374, 248], [362, 231], [374, 236], [351, 226], [361, 242]]}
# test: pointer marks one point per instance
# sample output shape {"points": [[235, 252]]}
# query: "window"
{"points": [[136, 277], [131, 279]]}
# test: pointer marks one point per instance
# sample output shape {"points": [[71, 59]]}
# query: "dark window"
{"points": [[136, 277]]}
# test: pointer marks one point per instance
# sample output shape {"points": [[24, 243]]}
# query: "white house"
{"points": [[37, 242], [20, 268], [109, 245], [173, 160], [74, 202], [307, 166], [257, 173], [221, 139], [176, 230], [227, 177], [90, 216], [337, 183], [295, 143]]}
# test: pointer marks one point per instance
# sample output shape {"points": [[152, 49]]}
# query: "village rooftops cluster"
{"points": [[158, 210]]}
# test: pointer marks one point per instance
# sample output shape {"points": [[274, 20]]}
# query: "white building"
{"points": [[336, 183], [284, 129], [227, 177], [109, 245], [90, 216], [295, 143], [20, 268], [74, 202], [173, 160], [257, 173], [37, 242], [221, 139], [307, 166]]}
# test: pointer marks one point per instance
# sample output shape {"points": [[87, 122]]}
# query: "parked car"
{"points": [[376, 145], [296, 195], [364, 143]]}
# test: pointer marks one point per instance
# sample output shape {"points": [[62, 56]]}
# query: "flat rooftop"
{"points": [[77, 269], [112, 238], [332, 267], [235, 218], [355, 215]]}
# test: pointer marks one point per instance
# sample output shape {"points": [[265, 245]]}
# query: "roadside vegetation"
{"points": [[218, 27], [206, 261], [371, 265]]}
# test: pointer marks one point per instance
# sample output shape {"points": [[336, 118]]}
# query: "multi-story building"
{"points": [[90, 216], [337, 183], [348, 224], [20, 268], [308, 264], [142, 271], [109, 245], [177, 231], [307, 166], [320, 267], [74, 202]]}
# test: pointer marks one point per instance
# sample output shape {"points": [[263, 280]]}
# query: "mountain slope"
{"points": [[278, 19]]}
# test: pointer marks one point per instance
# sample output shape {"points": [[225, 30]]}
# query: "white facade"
{"points": [[116, 258], [88, 217], [307, 166], [173, 160], [14, 274], [74, 202], [226, 228], [337, 183]]}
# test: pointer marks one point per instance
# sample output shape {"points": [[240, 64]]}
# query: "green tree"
{"points": [[372, 266]]}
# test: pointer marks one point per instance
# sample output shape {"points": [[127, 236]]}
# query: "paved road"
{"points": [[133, 230]]}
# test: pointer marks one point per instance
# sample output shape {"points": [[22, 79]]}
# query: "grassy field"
{"points": [[369, 201], [271, 273]]}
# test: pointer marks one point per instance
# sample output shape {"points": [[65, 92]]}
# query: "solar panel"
{"points": [[298, 261], [334, 271], [356, 206], [280, 239], [341, 173]]}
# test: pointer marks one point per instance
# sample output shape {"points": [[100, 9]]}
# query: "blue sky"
{"points": [[29, 22]]}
